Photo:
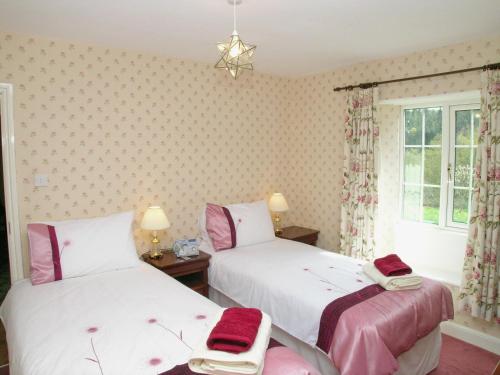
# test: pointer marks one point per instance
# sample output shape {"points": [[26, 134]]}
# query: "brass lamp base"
{"points": [[277, 225], [155, 253]]}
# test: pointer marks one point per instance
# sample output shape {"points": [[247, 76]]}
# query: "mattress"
{"points": [[275, 275], [133, 321]]}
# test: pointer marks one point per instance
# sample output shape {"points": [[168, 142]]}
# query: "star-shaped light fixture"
{"points": [[236, 56]]}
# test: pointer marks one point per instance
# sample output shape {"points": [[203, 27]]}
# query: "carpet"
{"points": [[461, 358]]}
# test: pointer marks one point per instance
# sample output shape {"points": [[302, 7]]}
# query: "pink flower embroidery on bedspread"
{"points": [[95, 359], [326, 281], [65, 244], [154, 361], [165, 328]]}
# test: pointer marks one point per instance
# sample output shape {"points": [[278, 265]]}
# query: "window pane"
{"points": [[413, 127], [461, 205], [433, 125], [413, 165], [477, 119], [432, 166], [462, 127], [462, 166], [431, 205], [411, 202]]}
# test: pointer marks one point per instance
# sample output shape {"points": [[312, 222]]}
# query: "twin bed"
{"points": [[131, 321], [391, 332]]}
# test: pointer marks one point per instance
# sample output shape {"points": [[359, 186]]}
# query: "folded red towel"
{"points": [[392, 265], [236, 330]]}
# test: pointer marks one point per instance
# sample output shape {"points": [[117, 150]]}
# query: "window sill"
{"points": [[449, 278], [457, 230]]}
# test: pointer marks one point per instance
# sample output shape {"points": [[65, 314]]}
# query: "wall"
{"points": [[118, 130]]}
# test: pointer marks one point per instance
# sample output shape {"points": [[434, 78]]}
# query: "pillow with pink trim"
{"points": [[220, 227], [72, 248]]}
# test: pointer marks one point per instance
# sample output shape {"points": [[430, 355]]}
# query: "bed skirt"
{"points": [[419, 360]]}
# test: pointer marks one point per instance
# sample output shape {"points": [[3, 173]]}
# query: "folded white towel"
{"points": [[410, 281], [206, 361]]}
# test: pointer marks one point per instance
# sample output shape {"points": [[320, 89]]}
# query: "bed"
{"points": [[135, 321], [294, 283], [131, 321]]}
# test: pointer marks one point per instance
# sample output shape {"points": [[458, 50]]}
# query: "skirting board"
{"points": [[472, 336]]}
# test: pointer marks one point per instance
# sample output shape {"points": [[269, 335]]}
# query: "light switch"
{"points": [[41, 180]]}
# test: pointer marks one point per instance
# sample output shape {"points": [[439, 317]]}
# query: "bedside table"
{"points": [[300, 234], [193, 272]]}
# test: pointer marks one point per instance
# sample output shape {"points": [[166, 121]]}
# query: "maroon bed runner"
{"points": [[184, 369], [332, 312]]}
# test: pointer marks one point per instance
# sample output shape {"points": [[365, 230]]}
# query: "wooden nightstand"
{"points": [[300, 234], [193, 272]]}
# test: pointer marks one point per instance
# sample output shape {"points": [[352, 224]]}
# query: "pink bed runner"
{"points": [[364, 332]]}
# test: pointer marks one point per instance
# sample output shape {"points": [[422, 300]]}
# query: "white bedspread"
{"points": [[290, 281], [135, 321]]}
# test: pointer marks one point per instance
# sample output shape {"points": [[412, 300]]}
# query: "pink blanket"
{"points": [[370, 335]]}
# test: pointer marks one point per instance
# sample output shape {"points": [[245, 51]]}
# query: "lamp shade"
{"points": [[277, 203], [155, 219]]}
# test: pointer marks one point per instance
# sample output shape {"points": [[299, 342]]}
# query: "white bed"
{"points": [[121, 322], [293, 283]]}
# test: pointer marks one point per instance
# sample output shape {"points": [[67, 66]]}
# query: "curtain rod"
{"points": [[373, 84]]}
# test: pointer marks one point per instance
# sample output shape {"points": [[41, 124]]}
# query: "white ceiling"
{"points": [[293, 37]]}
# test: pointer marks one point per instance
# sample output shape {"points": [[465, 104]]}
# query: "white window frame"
{"points": [[451, 182], [447, 148]]}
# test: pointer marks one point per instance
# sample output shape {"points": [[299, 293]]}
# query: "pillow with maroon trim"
{"points": [[253, 223], [220, 227], [73, 248]]}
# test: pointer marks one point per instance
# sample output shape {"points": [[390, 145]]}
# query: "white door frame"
{"points": [[10, 182]]}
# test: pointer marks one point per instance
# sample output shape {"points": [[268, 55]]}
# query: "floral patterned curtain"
{"points": [[359, 191], [479, 291]]}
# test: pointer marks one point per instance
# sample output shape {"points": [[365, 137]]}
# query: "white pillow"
{"points": [[253, 223], [206, 242], [96, 245]]}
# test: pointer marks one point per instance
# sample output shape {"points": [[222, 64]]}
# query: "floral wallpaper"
{"points": [[119, 130]]}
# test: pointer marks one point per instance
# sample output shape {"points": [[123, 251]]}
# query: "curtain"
{"points": [[479, 289], [359, 190]]}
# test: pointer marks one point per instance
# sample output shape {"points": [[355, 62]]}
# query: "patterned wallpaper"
{"points": [[118, 130]]}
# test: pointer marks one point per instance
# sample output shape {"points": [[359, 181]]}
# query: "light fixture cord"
{"points": [[234, 15]]}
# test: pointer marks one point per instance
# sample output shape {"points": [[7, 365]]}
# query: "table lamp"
{"points": [[277, 204], [155, 219]]}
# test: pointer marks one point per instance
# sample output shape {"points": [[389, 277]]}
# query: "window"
{"points": [[439, 149]]}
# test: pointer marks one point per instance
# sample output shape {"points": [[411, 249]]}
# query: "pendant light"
{"points": [[236, 56]]}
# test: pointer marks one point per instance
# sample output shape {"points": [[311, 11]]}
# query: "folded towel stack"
{"points": [[249, 361], [236, 330], [392, 265], [392, 274]]}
